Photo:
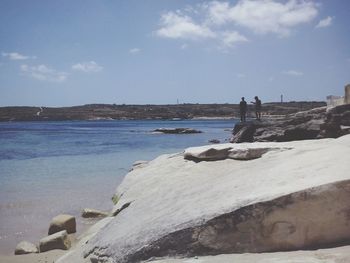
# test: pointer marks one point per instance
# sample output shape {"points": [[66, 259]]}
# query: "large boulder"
{"points": [[294, 196], [58, 240], [62, 222], [25, 247], [313, 124]]}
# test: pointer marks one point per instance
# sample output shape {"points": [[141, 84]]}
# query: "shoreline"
{"points": [[49, 256]]}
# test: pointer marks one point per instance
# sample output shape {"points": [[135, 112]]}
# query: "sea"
{"points": [[49, 168]]}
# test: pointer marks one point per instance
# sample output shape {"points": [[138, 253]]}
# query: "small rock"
{"points": [[138, 164], [176, 130], [210, 154], [62, 222], [93, 213], [25, 247], [58, 240], [247, 154], [214, 141]]}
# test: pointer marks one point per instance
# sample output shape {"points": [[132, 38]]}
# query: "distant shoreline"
{"points": [[174, 112]]}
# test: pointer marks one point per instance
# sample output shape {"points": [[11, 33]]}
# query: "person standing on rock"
{"points": [[257, 108], [243, 109]]}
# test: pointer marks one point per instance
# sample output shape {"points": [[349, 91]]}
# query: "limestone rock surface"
{"points": [[294, 196], [330, 255], [58, 240], [62, 222], [25, 247]]}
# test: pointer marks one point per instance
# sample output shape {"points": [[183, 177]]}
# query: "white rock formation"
{"points": [[290, 196], [25, 247]]}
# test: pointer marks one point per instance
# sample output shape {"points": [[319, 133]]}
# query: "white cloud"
{"points": [[294, 73], [230, 38], [263, 16], [134, 50], [221, 22], [17, 56], [90, 66], [325, 22], [44, 73], [179, 26]]}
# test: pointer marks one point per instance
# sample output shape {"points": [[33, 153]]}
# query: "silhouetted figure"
{"points": [[257, 108], [243, 109]]}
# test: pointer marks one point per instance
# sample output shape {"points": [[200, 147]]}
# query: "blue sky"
{"points": [[62, 53]]}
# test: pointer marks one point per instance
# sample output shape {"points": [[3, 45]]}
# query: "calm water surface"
{"points": [[48, 168]]}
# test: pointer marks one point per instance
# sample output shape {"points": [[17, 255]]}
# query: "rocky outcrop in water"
{"points": [[177, 130], [93, 213], [229, 198], [314, 124]]}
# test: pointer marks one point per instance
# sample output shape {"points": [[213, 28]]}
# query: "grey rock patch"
{"points": [[247, 154], [118, 210], [211, 154], [58, 240], [93, 213], [63, 222], [138, 164]]}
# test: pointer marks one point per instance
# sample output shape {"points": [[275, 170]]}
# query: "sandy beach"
{"points": [[47, 257]]}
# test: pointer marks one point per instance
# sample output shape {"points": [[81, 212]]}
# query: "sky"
{"points": [[65, 53]]}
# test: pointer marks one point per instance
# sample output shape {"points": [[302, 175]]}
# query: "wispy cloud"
{"points": [[16, 56], [134, 50], [184, 46], [43, 73], [241, 75], [294, 73], [177, 25], [230, 38], [90, 66], [325, 22]]}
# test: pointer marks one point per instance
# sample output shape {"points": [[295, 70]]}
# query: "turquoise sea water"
{"points": [[48, 168]]}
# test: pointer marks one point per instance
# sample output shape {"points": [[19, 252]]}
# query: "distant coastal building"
{"points": [[333, 100], [347, 94]]}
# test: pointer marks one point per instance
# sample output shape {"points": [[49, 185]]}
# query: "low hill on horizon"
{"points": [[142, 112]]}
